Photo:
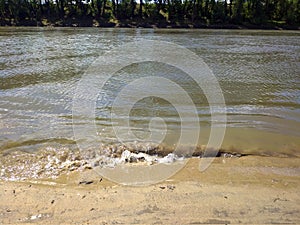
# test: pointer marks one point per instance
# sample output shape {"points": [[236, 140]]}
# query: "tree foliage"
{"points": [[160, 12]]}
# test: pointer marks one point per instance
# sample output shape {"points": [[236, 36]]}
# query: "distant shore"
{"points": [[141, 24]]}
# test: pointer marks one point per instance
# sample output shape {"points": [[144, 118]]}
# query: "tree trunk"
{"points": [[169, 10], [230, 8], [41, 8], [62, 10], [47, 4], [194, 12], [132, 6], [114, 7], [141, 9], [103, 8], [225, 10]]}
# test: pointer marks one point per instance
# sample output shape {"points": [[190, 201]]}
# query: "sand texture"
{"points": [[249, 189]]}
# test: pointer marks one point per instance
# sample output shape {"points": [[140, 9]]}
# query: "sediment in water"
{"points": [[49, 163]]}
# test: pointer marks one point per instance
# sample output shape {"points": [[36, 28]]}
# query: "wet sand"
{"points": [[249, 189]]}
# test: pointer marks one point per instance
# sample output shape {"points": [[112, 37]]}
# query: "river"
{"points": [[40, 68]]}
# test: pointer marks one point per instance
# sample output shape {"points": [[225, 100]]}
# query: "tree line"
{"points": [[149, 12]]}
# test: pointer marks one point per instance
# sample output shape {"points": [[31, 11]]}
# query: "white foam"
{"points": [[130, 157]]}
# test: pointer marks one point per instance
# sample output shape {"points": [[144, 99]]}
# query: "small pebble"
{"points": [[86, 182], [171, 187], [133, 159]]}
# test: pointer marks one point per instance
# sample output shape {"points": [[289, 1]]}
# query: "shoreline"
{"points": [[248, 189], [17, 163], [133, 25]]}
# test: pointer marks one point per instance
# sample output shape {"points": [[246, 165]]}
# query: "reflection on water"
{"points": [[258, 72]]}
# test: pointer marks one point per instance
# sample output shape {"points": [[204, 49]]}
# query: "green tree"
{"points": [[33, 12], [238, 12]]}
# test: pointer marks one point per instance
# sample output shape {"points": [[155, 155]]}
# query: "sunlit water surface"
{"points": [[258, 72]]}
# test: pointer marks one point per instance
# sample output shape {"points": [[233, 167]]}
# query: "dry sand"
{"points": [[249, 189]]}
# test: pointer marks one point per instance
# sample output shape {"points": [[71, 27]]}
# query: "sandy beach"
{"points": [[248, 189]]}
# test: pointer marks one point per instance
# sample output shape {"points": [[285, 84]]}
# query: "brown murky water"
{"points": [[258, 72]]}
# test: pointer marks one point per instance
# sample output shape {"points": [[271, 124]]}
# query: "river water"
{"points": [[40, 68]]}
